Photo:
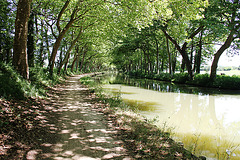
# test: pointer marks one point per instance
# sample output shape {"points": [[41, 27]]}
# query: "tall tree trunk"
{"points": [[199, 55], [55, 49], [31, 41], [40, 58], [174, 60], [74, 61], [183, 50], [169, 57], [61, 35], [47, 44], [20, 39], [217, 55], [81, 66], [66, 58], [183, 65], [191, 53], [157, 55]]}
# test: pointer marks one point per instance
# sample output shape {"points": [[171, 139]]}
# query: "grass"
{"points": [[13, 86]]}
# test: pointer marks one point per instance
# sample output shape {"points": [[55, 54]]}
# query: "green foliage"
{"points": [[180, 77], [87, 81], [40, 77], [163, 77], [201, 79], [227, 82], [12, 85], [222, 81]]}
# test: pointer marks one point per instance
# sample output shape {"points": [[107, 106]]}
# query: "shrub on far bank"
{"points": [[180, 78], [227, 82], [203, 80]]}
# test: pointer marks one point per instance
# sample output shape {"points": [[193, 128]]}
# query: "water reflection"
{"points": [[206, 121], [161, 85]]}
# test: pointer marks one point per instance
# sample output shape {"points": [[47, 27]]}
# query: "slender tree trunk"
{"points": [[174, 60], [55, 49], [145, 61], [157, 55], [169, 57], [61, 35], [183, 49], [40, 58], [74, 61], [20, 39], [31, 41], [183, 65], [199, 55], [66, 58], [47, 44], [81, 66], [217, 55], [191, 55]]}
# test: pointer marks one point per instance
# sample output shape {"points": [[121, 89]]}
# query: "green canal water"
{"points": [[206, 121]]}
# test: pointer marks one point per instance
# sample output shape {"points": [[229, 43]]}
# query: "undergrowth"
{"points": [[14, 86]]}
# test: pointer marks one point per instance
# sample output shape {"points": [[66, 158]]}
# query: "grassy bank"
{"points": [[13, 86], [142, 138], [203, 80]]}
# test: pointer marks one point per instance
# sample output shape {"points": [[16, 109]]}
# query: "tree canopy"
{"points": [[150, 36]]}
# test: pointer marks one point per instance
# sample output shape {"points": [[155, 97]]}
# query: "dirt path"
{"points": [[77, 130]]}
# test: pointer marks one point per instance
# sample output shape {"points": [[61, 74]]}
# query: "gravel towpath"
{"points": [[77, 130]]}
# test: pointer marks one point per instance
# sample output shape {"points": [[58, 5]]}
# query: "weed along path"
{"points": [[77, 130]]}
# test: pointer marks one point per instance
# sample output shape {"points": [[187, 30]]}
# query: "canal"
{"points": [[205, 120]]}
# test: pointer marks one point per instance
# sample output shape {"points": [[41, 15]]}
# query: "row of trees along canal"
{"points": [[144, 35]]}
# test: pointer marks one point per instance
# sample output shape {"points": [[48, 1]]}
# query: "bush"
{"points": [[201, 79], [180, 77], [221, 81], [227, 82], [163, 77]]}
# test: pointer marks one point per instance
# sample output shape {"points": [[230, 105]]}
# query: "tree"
{"points": [[176, 20], [20, 39], [223, 15]]}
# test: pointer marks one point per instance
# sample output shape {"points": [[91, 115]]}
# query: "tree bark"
{"points": [[31, 41], [20, 39], [157, 56], [169, 57], [83, 58], [61, 35], [217, 55], [66, 58], [199, 55]]}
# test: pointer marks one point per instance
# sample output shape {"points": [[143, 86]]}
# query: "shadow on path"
{"points": [[76, 130]]}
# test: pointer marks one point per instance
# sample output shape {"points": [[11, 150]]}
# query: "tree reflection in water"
{"points": [[204, 119]]}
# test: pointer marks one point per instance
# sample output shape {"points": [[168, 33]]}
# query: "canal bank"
{"points": [[206, 122]]}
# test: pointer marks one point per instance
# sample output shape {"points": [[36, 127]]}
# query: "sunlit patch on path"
{"points": [[77, 130]]}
